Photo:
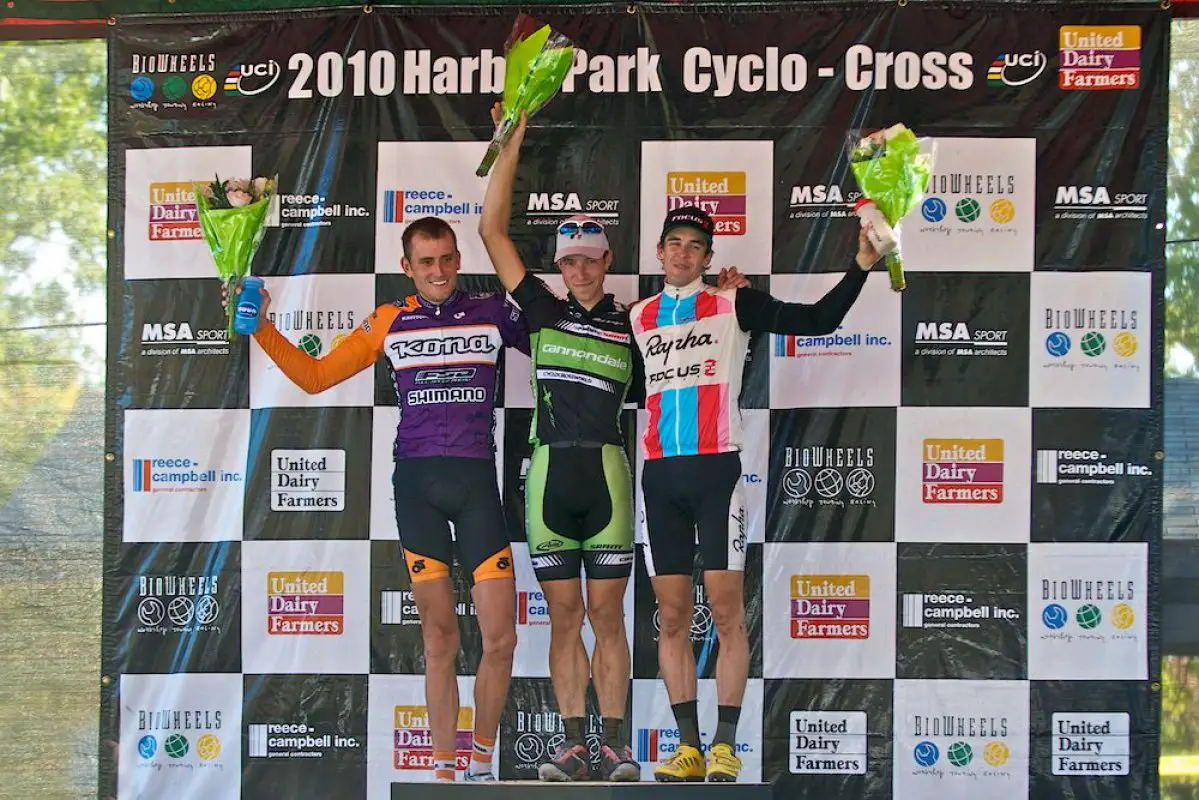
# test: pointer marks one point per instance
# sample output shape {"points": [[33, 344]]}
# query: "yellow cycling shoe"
{"points": [[686, 764], [723, 764]]}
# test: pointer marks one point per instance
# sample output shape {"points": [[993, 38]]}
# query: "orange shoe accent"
{"points": [[497, 566], [422, 568]]}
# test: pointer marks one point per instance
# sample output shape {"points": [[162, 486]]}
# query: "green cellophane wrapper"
{"points": [[894, 174], [233, 236], [536, 62]]}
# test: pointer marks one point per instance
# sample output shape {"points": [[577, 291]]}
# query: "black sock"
{"points": [[687, 716], [726, 725], [612, 731], [575, 729]]}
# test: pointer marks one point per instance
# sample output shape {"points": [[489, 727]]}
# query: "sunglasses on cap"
{"points": [[572, 228]]}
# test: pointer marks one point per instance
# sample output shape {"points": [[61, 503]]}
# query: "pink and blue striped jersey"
{"points": [[694, 350]]}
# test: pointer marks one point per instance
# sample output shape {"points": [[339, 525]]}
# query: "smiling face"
{"points": [[433, 265], [584, 276], [684, 254]]}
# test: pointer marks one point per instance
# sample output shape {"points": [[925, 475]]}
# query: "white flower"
{"points": [[238, 198]]}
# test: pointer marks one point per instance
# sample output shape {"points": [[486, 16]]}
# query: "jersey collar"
{"points": [[606, 303], [449, 302], [679, 292]]}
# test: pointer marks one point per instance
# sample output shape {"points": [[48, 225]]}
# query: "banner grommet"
{"points": [[368, 9]]}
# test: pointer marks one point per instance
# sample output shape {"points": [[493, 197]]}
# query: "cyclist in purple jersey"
{"points": [[443, 346]]}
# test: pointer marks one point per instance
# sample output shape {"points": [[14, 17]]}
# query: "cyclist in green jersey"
{"points": [[578, 491]]}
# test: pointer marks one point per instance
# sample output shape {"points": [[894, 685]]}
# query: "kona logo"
{"points": [[479, 343]]}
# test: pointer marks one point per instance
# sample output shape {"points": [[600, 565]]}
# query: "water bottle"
{"points": [[245, 321]]}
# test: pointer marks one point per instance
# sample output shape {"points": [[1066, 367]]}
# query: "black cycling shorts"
{"points": [[689, 495], [432, 492], [579, 509]]}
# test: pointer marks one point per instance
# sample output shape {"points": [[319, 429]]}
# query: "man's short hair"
{"points": [[430, 228]]}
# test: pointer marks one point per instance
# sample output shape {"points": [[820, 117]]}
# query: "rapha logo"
{"points": [[659, 346]]}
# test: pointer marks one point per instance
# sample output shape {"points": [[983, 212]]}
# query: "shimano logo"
{"points": [[479, 343], [464, 394], [585, 355]]}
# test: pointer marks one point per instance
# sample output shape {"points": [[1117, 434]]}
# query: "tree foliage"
{"points": [[1182, 192], [53, 157]]}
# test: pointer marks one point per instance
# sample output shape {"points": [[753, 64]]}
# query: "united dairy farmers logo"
{"points": [[968, 471], [721, 193], [830, 606], [412, 738], [305, 603], [1097, 57], [173, 215]]}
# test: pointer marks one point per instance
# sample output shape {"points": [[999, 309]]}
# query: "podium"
{"points": [[583, 790]]}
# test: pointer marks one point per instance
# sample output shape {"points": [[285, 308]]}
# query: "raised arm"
{"points": [[357, 351], [497, 209], [758, 311]]}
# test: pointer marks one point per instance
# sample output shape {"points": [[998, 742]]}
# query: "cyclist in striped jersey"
{"points": [[693, 340]]}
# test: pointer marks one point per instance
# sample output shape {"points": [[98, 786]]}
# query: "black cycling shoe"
{"points": [[617, 764], [570, 763]]}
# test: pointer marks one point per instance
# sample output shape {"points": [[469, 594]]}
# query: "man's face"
{"points": [[684, 255], [433, 267], [584, 276]]}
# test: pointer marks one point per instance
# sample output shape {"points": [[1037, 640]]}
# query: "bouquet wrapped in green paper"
{"points": [[232, 217], [536, 61], [892, 168]]}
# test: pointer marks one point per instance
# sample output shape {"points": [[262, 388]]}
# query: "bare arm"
{"points": [[497, 209]]}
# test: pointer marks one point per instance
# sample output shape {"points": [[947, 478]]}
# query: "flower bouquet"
{"points": [[232, 217], [536, 61], [892, 168]]}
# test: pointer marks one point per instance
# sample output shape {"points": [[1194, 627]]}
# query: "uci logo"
{"points": [[252, 79]]}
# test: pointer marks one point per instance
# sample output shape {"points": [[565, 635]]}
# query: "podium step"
{"points": [[536, 790]]}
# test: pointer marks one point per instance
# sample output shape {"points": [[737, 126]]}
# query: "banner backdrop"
{"points": [[954, 499]]}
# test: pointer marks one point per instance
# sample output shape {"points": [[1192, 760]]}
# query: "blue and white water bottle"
{"points": [[249, 302]]}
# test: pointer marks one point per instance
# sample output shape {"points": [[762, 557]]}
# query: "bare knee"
{"points": [[607, 620], [499, 641], [728, 614], [441, 639], [674, 619], [566, 614]]}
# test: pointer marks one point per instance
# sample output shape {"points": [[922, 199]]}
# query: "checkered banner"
{"points": [[954, 500]]}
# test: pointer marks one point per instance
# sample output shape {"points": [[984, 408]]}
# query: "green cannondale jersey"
{"points": [[583, 365]]}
